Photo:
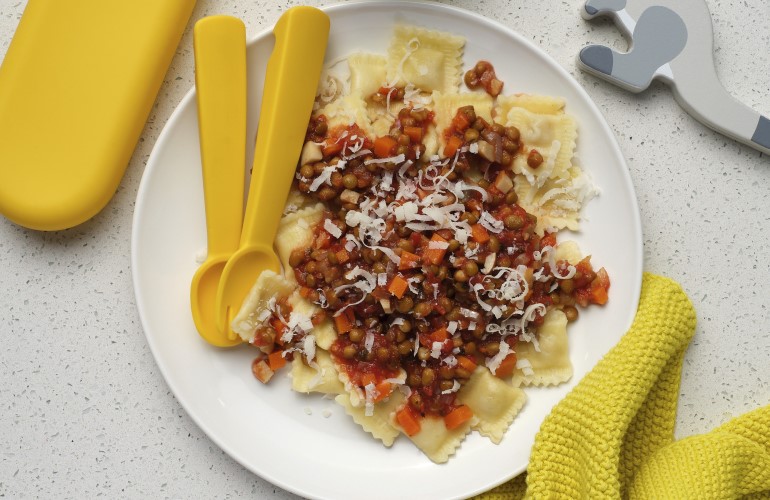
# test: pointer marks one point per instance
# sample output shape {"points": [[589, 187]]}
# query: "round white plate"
{"points": [[289, 438]]}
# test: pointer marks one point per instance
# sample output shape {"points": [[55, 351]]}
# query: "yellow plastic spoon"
{"points": [[220, 84], [291, 79]]}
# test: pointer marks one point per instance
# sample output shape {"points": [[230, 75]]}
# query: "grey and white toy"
{"points": [[672, 40]]}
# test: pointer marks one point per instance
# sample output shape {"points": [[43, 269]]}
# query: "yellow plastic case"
{"points": [[76, 86]]}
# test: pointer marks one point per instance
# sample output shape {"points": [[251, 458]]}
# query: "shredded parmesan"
{"points": [[325, 176], [332, 229], [490, 223], [370, 394], [365, 284], [438, 245], [493, 363], [455, 387], [525, 366]]}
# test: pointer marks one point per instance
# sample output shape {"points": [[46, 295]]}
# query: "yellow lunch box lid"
{"points": [[76, 87]]}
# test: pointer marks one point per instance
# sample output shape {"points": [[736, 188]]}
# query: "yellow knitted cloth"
{"points": [[612, 436]]}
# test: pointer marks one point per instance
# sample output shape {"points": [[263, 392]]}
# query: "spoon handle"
{"points": [[220, 83], [291, 80]]}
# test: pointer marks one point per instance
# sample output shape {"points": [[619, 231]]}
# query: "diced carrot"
{"points": [[343, 322], [408, 421], [261, 370], [333, 148], [599, 295], [342, 255], [582, 297], [414, 133], [276, 360], [318, 318], [466, 363], [602, 278], [439, 335], [506, 366], [277, 324], [548, 240], [398, 286], [383, 391], [380, 293], [452, 145], [384, 146], [408, 260], [435, 255], [304, 292], [457, 417], [323, 240], [367, 378], [460, 122], [479, 233]]}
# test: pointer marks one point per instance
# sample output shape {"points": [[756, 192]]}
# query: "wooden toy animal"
{"points": [[672, 40]]}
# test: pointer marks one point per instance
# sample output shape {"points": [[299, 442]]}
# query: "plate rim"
{"points": [[163, 139]]}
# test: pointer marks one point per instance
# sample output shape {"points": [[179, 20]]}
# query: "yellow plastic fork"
{"points": [[291, 80], [220, 85]]}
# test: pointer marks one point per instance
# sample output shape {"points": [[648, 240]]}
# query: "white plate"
{"points": [[268, 428]]}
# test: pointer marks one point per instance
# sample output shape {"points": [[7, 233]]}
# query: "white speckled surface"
{"points": [[85, 412]]}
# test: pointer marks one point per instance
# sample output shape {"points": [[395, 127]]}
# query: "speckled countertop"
{"points": [[84, 410]]}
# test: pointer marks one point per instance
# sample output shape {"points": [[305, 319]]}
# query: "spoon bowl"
{"points": [[243, 266], [203, 294]]}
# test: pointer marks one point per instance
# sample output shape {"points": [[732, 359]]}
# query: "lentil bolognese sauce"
{"points": [[424, 262], [424, 270]]}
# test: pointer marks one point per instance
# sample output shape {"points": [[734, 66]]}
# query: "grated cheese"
{"points": [[525, 366], [494, 362], [393, 159], [370, 393], [490, 223], [366, 282], [455, 387], [369, 341], [332, 229], [325, 176], [308, 346], [438, 245]]}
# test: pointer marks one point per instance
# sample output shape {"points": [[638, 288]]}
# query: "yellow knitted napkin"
{"points": [[612, 436]]}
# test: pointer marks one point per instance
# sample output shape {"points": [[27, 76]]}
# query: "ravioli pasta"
{"points": [[399, 146], [547, 362], [295, 231], [435, 440], [367, 73], [540, 104], [494, 403], [427, 59], [378, 423]]}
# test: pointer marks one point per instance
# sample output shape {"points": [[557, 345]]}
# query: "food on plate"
{"points": [[424, 286]]}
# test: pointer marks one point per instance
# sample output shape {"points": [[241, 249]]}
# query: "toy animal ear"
{"points": [[594, 8], [596, 59], [658, 37]]}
